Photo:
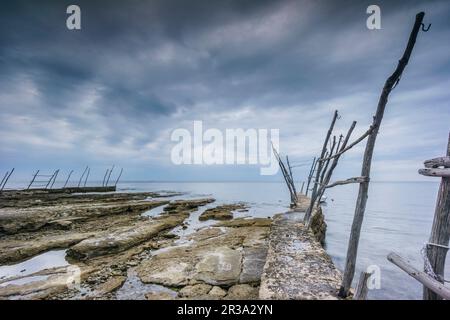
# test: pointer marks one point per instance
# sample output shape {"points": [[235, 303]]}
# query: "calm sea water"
{"points": [[398, 218]]}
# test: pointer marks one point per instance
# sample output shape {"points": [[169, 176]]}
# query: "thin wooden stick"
{"points": [[32, 180], [87, 176], [50, 180], [347, 181], [81, 178], [391, 82], [285, 175], [4, 177], [311, 173], [109, 175], [291, 176], [327, 163], [65, 184], [435, 286], [7, 178], [354, 143], [120, 174], [54, 179], [104, 177]]}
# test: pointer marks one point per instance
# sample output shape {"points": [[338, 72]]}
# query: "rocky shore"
{"points": [[129, 246]]}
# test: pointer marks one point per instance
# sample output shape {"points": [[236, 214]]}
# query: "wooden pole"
{"points": [[32, 180], [104, 177], [109, 175], [440, 233], [4, 177], [435, 286], [285, 175], [335, 162], [391, 82], [7, 178], [65, 184], [316, 181], [120, 174], [54, 179], [50, 180], [303, 185], [87, 176], [327, 163], [311, 171], [291, 176], [362, 290], [81, 178]]}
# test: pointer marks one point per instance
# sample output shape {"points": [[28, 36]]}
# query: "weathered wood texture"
{"points": [[440, 232], [330, 171], [348, 181], [362, 290], [435, 286], [435, 172], [361, 202], [310, 175], [438, 162]]}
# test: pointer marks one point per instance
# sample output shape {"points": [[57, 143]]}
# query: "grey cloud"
{"points": [[138, 70]]}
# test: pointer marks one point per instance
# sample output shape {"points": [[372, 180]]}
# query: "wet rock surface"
{"points": [[114, 251], [223, 212], [307, 273]]}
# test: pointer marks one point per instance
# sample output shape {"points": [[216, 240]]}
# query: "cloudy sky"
{"points": [[112, 92]]}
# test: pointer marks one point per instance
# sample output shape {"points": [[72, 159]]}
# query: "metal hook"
{"points": [[426, 30]]}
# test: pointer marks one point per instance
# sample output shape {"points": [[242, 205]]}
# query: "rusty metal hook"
{"points": [[428, 28]]}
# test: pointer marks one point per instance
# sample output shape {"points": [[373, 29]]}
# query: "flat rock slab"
{"points": [[297, 267], [123, 238]]}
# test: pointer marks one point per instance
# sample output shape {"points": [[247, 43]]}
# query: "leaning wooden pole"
{"points": [[7, 178], [319, 168], [81, 178], [32, 180], [68, 177], [311, 172], [291, 176], [429, 282], [437, 247], [120, 174], [390, 84]]}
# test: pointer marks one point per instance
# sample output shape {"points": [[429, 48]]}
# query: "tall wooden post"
{"points": [[390, 84], [437, 247]]}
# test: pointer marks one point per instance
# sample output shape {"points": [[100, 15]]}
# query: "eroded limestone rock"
{"points": [[124, 238], [223, 212]]}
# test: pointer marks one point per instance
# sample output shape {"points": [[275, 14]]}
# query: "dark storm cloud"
{"points": [[139, 69]]}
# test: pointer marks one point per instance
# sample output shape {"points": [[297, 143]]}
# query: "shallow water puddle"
{"points": [[47, 260], [135, 289], [155, 212]]}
